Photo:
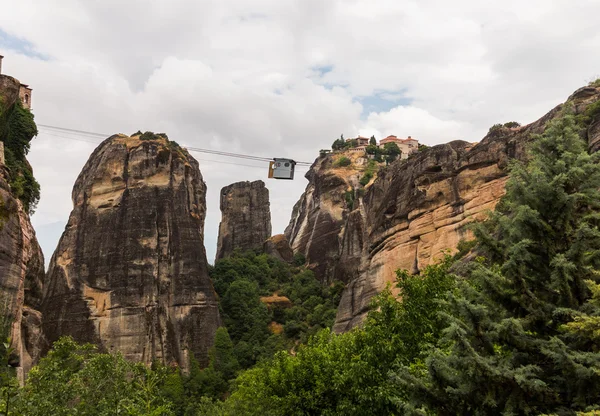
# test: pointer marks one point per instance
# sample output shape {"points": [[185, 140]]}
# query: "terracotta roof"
{"points": [[393, 138]]}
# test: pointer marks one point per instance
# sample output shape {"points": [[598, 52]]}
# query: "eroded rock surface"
{"points": [[419, 208], [319, 218], [21, 261], [246, 218], [130, 271], [412, 211]]}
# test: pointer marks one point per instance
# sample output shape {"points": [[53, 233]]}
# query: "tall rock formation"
{"points": [[21, 258], [130, 271], [246, 217], [415, 209], [319, 218]]}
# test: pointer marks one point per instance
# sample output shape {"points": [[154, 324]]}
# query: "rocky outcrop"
{"points": [[413, 211], [279, 247], [246, 218], [130, 271], [21, 261], [319, 218], [419, 208]]}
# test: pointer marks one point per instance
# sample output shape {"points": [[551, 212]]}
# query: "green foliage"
{"points": [[299, 259], [349, 198], [348, 374], [495, 127], [8, 380], [351, 144], [153, 136], [422, 147], [339, 144], [391, 149], [464, 247], [391, 152], [342, 162], [240, 281], [595, 83], [75, 379], [368, 173], [520, 334], [366, 178], [512, 124], [372, 141], [137, 133], [17, 129], [373, 149]]}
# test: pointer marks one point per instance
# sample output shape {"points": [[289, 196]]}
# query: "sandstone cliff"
{"points": [[130, 271], [21, 258], [246, 217], [318, 224], [412, 211]]}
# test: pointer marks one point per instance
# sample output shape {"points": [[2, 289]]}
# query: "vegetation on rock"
{"points": [[17, 129]]}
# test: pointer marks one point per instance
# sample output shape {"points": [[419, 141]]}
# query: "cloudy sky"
{"points": [[283, 78]]}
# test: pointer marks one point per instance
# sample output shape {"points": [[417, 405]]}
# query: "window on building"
{"points": [[26, 98]]}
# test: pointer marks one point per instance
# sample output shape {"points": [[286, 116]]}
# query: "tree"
{"points": [[75, 379], [392, 151], [17, 129], [348, 374], [338, 144], [342, 162], [373, 141], [519, 338]]}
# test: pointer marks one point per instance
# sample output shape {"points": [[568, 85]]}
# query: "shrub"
{"points": [[512, 124], [495, 127], [299, 259], [366, 178], [343, 162], [349, 197], [16, 131]]}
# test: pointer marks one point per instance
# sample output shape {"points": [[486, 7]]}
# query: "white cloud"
{"points": [[240, 75]]}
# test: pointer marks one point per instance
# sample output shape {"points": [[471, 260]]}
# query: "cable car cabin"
{"points": [[282, 168]]}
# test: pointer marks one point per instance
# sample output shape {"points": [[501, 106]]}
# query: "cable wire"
{"points": [[191, 149], [194, 149]]}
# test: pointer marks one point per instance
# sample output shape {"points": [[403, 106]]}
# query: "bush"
{"points": [[17, 130], [595, 83], [299, 259], [343, 162], [495, 127], [512, 124], [349, 198], [366, 178]]}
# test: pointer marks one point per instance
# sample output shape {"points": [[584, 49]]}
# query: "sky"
{"points": [[282, 78]]}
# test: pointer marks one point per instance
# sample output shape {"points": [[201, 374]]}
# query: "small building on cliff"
{"points": [[360, 141], [24, 90], [407, 146]]}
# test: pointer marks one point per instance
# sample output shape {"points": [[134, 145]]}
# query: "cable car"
{"points": [[282, 168]]}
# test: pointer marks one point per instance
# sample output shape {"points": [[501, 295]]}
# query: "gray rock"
{"points": [[130, 271], [246, 218]]}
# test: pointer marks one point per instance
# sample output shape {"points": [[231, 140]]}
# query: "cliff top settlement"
{"points": [[24, 90]]}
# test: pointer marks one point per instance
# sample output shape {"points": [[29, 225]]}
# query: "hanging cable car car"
{"points": [[282, 168]]}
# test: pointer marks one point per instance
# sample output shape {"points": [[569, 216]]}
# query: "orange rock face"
{"points": [[414, 210]]}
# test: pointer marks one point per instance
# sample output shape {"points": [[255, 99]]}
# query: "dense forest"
{"points": [[509, 325]]}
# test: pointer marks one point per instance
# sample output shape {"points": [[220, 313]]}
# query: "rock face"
{"points": [[413, 210], [279, 247], [319, 218], [246, 217], [130, 271], [21, 262]]}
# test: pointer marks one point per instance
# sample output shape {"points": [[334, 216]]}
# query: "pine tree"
{"points": [[523, 327], [373, 141]]}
